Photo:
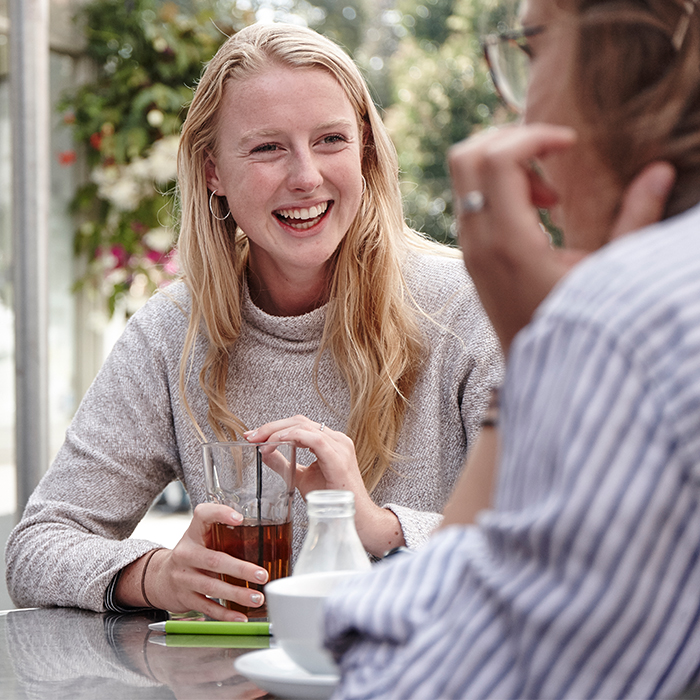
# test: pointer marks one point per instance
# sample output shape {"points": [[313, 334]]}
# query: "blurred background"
{"points": [[120, 77]]}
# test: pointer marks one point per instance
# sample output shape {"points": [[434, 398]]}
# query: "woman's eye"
{"points": [[333, 138], [265, 148]]}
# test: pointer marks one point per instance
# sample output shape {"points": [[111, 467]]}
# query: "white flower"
{"points": [[162, 159], [140, 169], [103, 177], [124, 186], [118, 186], [155, 117], [115, 277], [125, 194], [159, 239]]}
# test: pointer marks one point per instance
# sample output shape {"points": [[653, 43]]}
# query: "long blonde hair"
{"points": [[371, 327]]}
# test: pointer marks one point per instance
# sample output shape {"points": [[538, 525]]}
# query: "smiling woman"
{"points": [[308, 312]]}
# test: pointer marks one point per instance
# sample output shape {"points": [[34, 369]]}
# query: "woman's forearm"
{"points": [[474, 488]]}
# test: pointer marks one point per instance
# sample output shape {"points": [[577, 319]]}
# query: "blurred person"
{"points": [[308, 311], [581, 580]]}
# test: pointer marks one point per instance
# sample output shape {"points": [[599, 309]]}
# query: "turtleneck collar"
{"points": [[306, 327]]}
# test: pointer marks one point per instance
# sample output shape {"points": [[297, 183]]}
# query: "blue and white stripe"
{"points": [[584, 579]]}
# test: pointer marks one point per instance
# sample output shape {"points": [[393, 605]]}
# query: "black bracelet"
{"points": [[143, 577], [490, 420]]}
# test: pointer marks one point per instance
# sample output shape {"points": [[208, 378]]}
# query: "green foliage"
{"points": [[147, 57], [344, 21], [443, 93]]}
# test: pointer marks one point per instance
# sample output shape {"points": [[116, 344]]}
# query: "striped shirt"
{"points": [[583, 581]]}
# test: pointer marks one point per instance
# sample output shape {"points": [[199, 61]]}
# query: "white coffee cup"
{"points": [[295, 607]]}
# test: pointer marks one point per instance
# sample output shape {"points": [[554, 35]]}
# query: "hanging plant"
{"points": [[148, 57]]}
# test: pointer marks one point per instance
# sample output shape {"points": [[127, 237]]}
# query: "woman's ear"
{"points": [[210, 172]]}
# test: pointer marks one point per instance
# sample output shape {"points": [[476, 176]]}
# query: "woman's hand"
{"points": [[335, 467], [505, 249], [186, 577]]}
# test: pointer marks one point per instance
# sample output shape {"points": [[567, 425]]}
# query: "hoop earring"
{"points": [[218, 218], [364, 185]]}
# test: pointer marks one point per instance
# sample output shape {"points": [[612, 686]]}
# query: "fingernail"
{"points": [[282, 436], [236, 517], [242, 618], [261, 576], [250, 434], [256, 598]]}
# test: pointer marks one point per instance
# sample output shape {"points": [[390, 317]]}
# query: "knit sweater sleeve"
{"points": [[416, 525], [119, 453]]}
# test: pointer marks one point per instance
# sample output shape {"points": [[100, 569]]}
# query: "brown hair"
{"points": [[371, 325], [639, 79]]}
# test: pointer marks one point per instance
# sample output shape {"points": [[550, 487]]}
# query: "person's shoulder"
{"points": [[167, 312], [448, 303], [435, 277], [171, 301]]}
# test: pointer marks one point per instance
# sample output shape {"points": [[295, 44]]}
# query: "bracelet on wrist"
{"points": [[143, 578], [490, 420]]}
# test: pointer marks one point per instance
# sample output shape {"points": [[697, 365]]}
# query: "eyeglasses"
{"points": [[508, 57]]}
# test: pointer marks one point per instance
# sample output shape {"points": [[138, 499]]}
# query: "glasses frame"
{"points": [[517, 38]]}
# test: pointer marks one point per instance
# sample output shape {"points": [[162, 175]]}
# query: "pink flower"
{"points": [[171, 266], [121, 255], [155, 257]]}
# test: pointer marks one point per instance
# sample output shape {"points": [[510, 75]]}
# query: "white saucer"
{"points": [[275, 672]]}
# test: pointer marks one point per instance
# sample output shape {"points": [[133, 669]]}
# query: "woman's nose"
{"points": [[304, 173]]}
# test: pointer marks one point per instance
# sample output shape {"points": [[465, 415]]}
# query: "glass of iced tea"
{"points": [[257, 480]]}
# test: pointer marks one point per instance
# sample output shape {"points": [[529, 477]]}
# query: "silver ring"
{"points": [[323, 425], [473, 202]]}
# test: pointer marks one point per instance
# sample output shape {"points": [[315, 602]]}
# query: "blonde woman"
{"points": [[307, 311]]}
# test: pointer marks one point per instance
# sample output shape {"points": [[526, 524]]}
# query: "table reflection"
{"points": [[68, 653]]}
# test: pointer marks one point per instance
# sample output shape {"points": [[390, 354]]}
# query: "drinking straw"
{"points": [[258, 470]]}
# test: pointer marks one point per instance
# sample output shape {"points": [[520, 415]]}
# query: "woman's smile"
{"points": [[302, 219]]}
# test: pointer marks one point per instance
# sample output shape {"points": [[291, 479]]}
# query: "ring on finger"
{"points": [[473, 202], [323, 425]]}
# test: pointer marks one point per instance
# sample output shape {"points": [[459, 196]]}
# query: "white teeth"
{"points": [[303, 214]]}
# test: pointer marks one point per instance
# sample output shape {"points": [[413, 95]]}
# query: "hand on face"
{"points": [[186, 577], [335, 467], [506, 251]]}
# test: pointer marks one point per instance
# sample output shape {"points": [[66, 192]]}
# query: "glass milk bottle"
{"points": [[332, 542]]}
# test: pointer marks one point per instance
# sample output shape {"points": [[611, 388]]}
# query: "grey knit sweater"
{"points": [[131, 435]]}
